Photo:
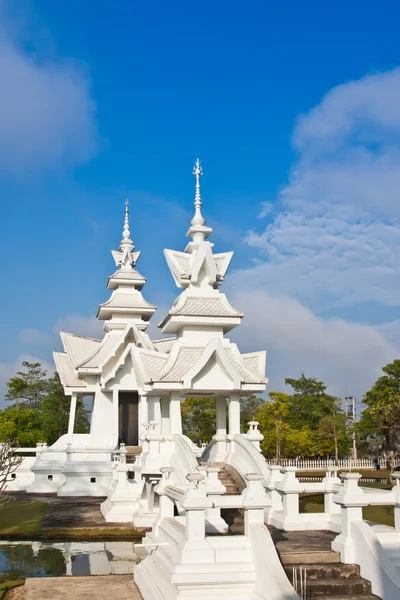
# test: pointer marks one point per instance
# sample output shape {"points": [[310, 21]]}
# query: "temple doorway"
{"points": [[128, 418]]}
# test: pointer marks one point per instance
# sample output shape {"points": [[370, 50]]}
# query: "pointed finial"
{"points": [[126, 234], [198, 172], [198, 230]]}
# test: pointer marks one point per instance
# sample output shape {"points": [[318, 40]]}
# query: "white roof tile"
{"points": [[66, 371], [205, 307], [78, 347]]}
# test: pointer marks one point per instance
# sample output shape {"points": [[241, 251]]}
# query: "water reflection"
{"points": [[40, 559]]}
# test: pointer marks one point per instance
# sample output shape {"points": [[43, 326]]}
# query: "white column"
{"points": [[72, 412], [154, 411], [143, 413], [221, 416], [115, 417], [219, 450], [175, 413], [165, 424], [234, 413]]}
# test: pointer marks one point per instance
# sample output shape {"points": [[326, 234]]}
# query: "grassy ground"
{"points": [[5, 586], [366, 473], [314, 503], [21, 518]]}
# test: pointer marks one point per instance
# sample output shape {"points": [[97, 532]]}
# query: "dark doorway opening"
{"points": [[128, 418]]}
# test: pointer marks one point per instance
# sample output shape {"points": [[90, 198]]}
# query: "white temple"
{"points": [[137, 385]]}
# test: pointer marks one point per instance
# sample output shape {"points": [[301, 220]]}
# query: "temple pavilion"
{"points": [[134, 380]]}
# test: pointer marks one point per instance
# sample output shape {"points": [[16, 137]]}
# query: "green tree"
{"points": [[249, 407], [198, 419], [333, 434], [308, 402], [272, 418], [28, 388], [380, 420], [23, 426], [54, 411], [46, 408]]}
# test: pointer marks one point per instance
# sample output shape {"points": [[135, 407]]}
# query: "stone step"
{"points": [[309, 558], [337, 587], [326, 571]]}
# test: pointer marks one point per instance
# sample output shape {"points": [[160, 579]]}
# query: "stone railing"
{"points": [[374, 547], [311, 464], [182, 556], [284, 489]]}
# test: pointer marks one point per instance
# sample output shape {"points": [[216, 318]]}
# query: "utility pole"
{"points": [[350, 406]]}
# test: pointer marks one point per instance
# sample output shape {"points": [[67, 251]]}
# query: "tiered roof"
{"points": [[126, 302], [200, 317]]}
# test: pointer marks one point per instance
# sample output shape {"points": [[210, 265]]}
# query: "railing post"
{"points": [[275, 497], [350, 498], [214, 488], [396, 493], [253, 435], [330, 480], [254, 501], [196, 504], [166, 504], [290, 488]]}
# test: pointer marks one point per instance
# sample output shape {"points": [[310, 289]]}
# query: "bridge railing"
{"points": [[316, 464], [374, 547]]}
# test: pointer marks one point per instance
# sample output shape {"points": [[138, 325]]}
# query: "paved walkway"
{"points": [[100, 587], [302, 541], [80, 512]]}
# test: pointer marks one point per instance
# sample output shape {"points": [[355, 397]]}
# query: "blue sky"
{"points": [[294, 110]]}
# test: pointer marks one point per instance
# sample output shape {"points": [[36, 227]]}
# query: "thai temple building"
{"points": [[134, 380], [153, 476]]}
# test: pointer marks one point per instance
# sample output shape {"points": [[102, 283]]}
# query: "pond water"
{"points": [[378, 514], [55, 559]]}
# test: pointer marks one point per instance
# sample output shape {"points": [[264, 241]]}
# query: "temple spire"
{"points": [[126, 241], [125, 257], [198, 172], [198, 230]]}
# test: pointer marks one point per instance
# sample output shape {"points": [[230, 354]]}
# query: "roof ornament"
{"points": [[198, 172], [198, 229], [125, 258], [126, 234]]}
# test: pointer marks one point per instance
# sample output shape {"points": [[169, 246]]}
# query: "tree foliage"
{"points": [[308, 422], [379, 425], [198, 419], [41, 409]]}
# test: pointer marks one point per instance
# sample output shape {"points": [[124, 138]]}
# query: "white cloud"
{"points": [[347, 356], [33, 336], [335, 238], [46, 112], [80, 325]]}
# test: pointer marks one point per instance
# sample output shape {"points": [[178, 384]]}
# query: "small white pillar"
{"points": [[72, 412], [254, 435], [254, 501], [396, 491], [350, 498], [330, 480], [234, 414], [175, 413], [290, 488]]}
